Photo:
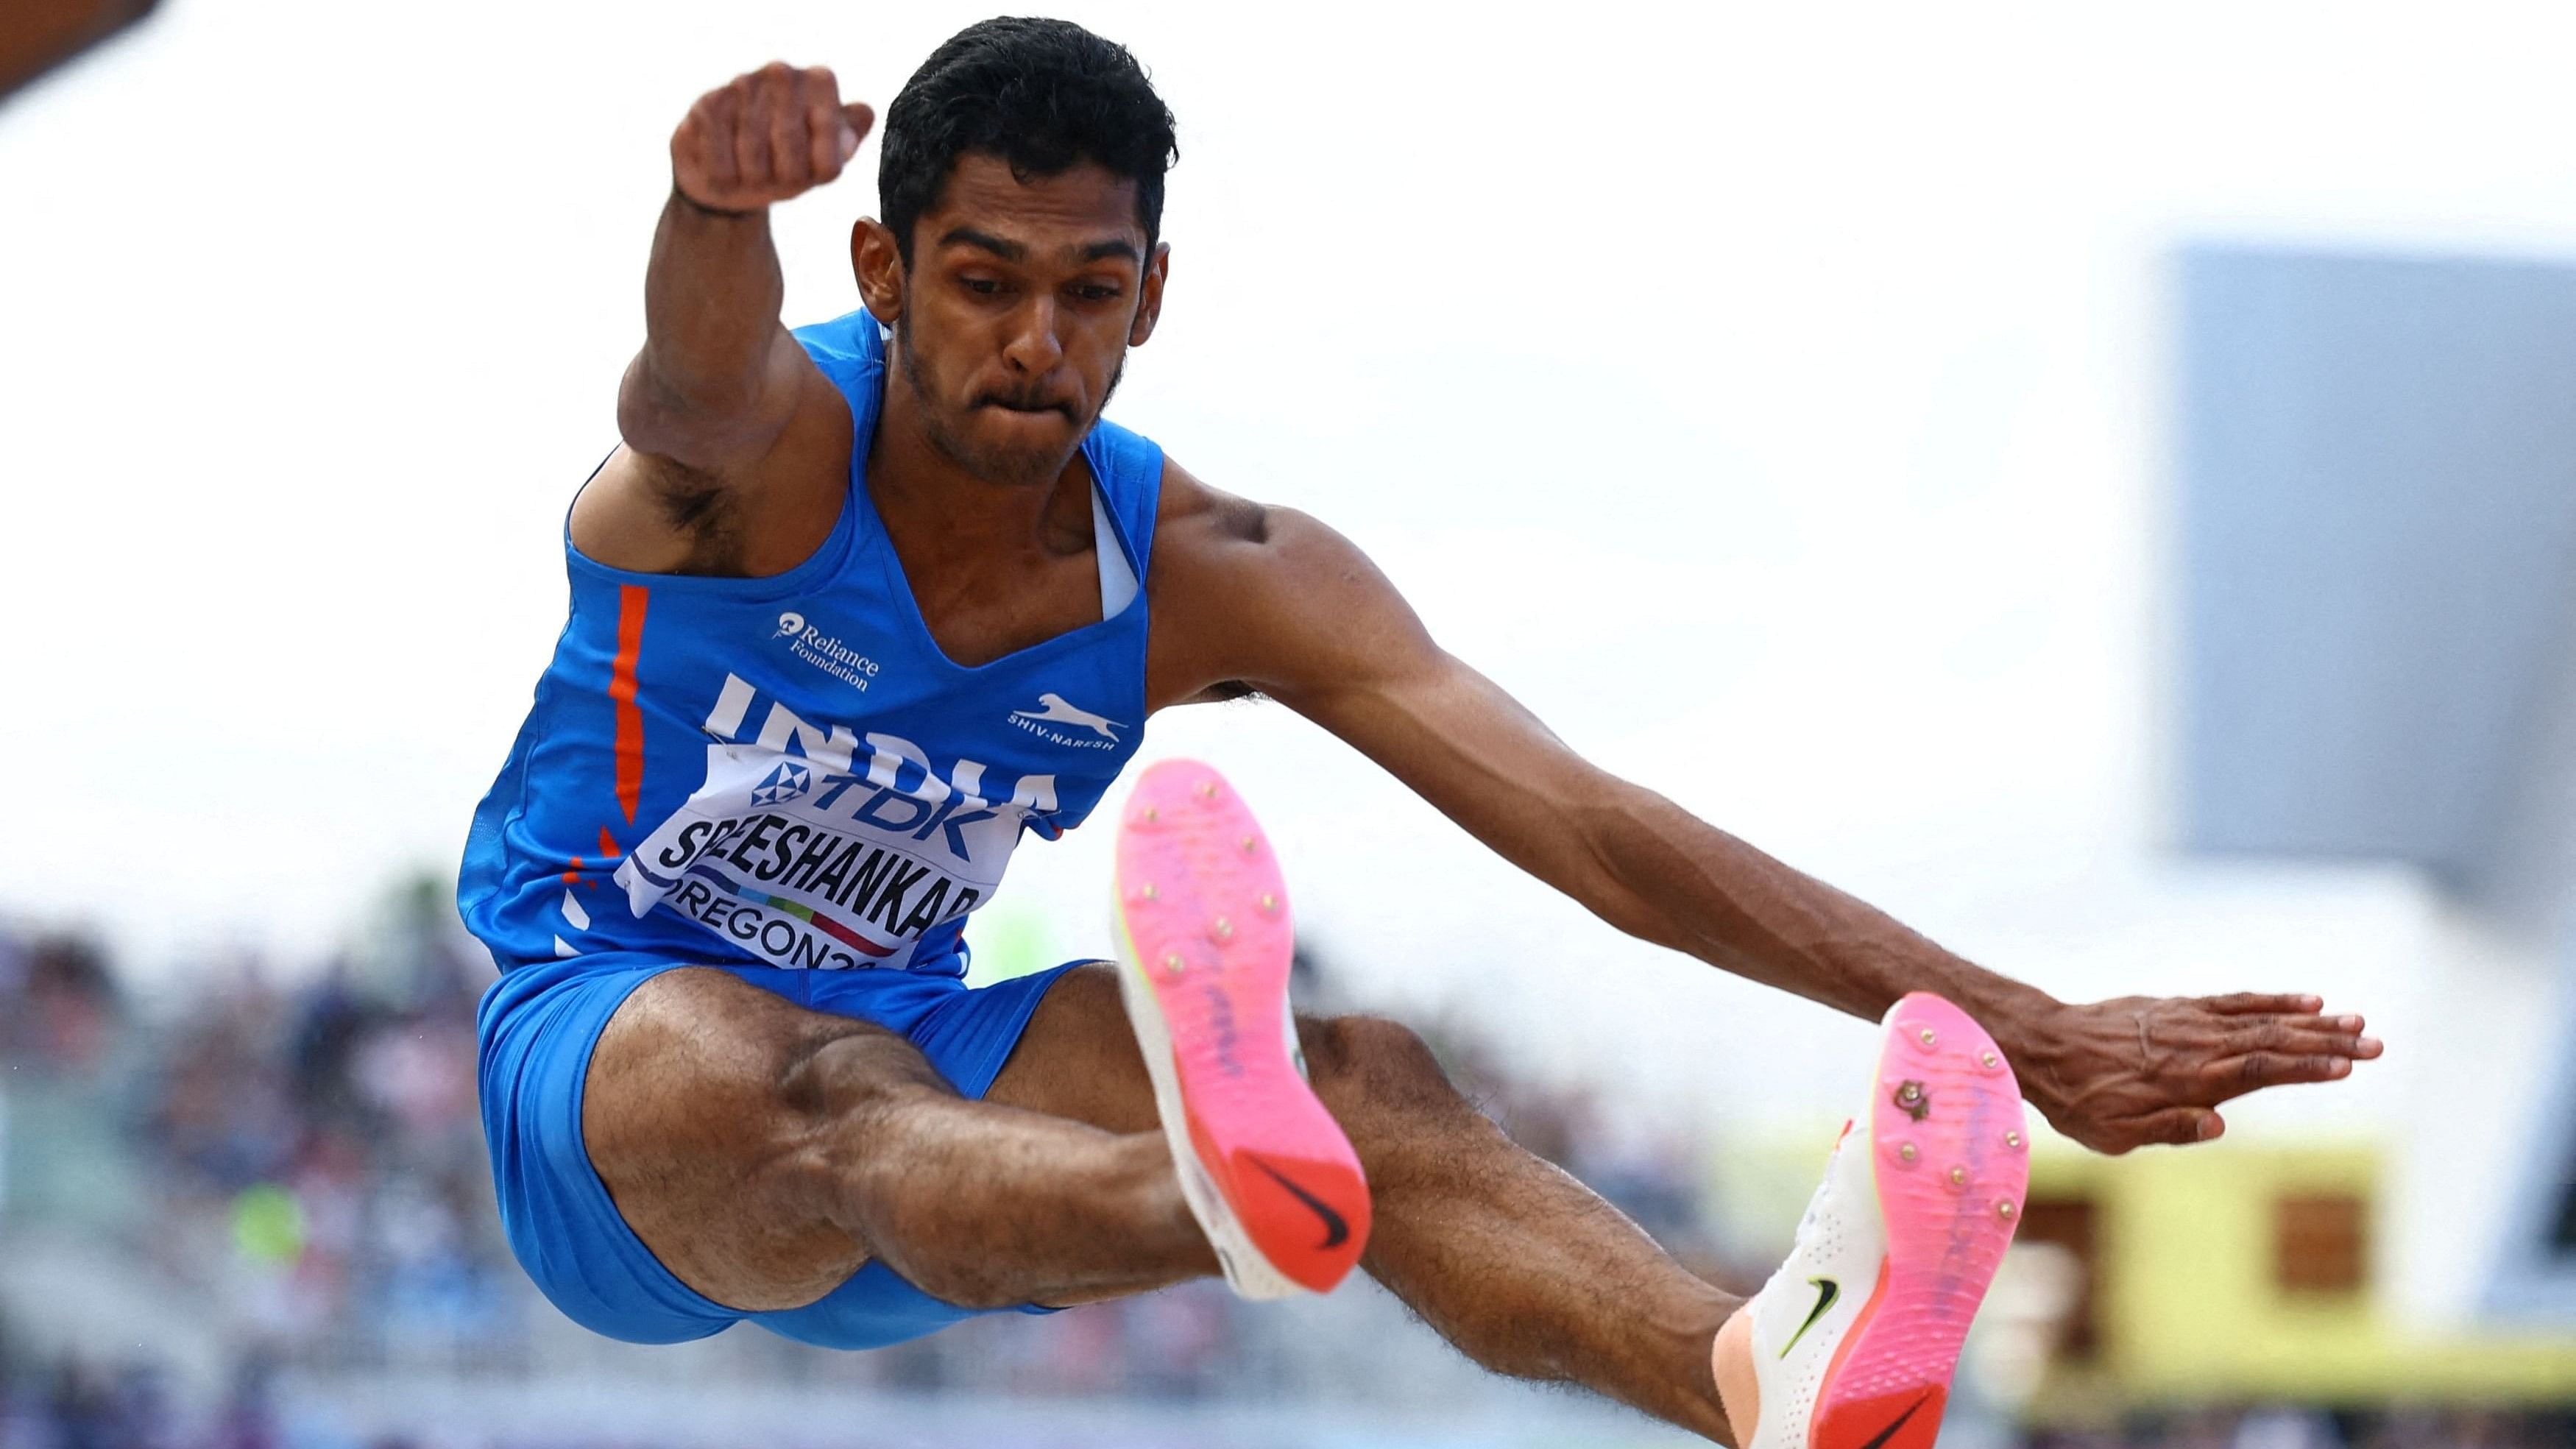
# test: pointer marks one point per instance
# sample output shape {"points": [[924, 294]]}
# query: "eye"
{"points": [[982, 286]]}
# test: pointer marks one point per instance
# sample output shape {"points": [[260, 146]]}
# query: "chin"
{"points": [[1008, 447], [1015, 461]]}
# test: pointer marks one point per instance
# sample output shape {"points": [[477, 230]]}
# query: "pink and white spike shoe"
{"points": [[1205, 944], [1854, 1340]]}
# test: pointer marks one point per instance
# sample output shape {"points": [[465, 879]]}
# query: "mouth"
{"points": [[1027, 407]]}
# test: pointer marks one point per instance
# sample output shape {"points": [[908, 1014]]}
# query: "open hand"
{"points": [[764, 137], [2121, 1074]]}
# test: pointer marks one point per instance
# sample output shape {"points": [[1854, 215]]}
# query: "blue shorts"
{"points": [[536, 1028]]}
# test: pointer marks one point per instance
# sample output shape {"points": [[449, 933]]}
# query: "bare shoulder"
{"points": [[1212, 539], [651, 513], [1193, 519], [1254, 597]]}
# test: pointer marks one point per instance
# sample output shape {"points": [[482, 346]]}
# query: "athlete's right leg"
{"points": [[764, 1152]]}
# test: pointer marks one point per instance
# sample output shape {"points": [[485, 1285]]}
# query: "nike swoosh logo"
{"points": [[1890, 1431], [1336, 1231], [1827, 1290]]}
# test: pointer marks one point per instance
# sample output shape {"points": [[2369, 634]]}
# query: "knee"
{"points": [[1362, 1064], [843, 1116], [886, 1149]]}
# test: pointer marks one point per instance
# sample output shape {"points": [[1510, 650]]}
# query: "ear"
{"points": [[878, 265], [1149, 303]]}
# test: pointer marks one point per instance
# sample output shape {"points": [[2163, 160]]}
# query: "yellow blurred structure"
{"points": [[2230, 1273], [2238, 1273]]}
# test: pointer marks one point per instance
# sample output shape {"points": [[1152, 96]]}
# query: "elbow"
{"points": [[703, 427], [1631, 916], [1621, 861]]}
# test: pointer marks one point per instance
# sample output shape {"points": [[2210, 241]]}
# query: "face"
{"points": [[1016, 314]]}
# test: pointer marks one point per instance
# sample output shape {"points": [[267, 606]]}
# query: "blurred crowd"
{"points": [[306, 1162], [289, 1179], [297, 1171]]}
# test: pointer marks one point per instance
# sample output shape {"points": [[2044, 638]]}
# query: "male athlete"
{"points": [[855, 606]]}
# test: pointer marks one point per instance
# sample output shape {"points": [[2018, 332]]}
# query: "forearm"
{"points": [[711, 301], [1675, 880]]}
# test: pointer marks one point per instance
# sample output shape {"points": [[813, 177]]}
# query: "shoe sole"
{"points": [[1206, 943], [1950, 1155]]}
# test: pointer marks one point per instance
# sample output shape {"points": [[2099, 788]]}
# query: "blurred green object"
{"points": [[1007, 942], [268, 1224]]}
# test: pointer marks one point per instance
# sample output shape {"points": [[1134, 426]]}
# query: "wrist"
{"points": [[680, 194], [2024, 1020], [2033, 1039]]}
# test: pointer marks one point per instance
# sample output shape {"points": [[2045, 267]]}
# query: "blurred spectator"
{"points": [[58, 1005]]}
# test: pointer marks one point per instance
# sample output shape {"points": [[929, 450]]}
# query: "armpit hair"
{"points": [[698, 504], [692, 500]]}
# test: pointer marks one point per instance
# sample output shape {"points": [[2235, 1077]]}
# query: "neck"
{"points": [[938, 510]]}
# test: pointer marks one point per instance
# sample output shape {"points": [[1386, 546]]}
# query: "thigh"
{"points": [[1078, 1057], [689, 1118]]}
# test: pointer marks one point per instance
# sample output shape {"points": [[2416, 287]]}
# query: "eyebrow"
{"points": [[1011, 251]]}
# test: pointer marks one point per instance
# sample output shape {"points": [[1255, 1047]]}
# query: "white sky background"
{"points": [[1772, 398]]}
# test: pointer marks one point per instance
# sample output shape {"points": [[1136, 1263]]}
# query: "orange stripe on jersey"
{"points": [[631, 599], [607, 844]]}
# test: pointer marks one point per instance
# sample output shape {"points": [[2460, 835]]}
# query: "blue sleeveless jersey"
{"points": [[787, 771]]}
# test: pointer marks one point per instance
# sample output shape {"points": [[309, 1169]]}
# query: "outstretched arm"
{"points": [[1286, 605]]}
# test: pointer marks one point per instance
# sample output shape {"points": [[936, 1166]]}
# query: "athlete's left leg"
{"points": [[1520, 1266]]}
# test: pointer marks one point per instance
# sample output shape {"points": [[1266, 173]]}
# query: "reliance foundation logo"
{"points": [[825, 652]]}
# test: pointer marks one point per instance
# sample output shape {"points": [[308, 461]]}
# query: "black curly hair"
{"points": [[1044, 96]]}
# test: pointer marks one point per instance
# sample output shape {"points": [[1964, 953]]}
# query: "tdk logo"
{"points": [[788, 782], [825, 652]]}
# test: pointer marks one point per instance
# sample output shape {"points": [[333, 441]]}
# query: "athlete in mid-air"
{"points": [[857, 605]]}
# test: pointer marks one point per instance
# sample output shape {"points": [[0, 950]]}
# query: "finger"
{"points": [[2330, 1035], [860, 117], [2181, 1126], [789, 146], [2301, 1034], [2235, 1076], [782, 130], [2252, 1002], [826, 147], [750, 136], [712, 144]]}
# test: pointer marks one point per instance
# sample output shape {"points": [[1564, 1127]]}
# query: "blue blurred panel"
{"points": [[2378, 526]]}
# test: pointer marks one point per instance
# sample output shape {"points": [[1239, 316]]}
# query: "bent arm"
{"points": [[717, 377], [735, 441]]}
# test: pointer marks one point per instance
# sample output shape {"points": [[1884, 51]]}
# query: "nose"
{"points": [[1033, 349]]}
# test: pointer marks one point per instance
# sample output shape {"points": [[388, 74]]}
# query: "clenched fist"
{"points": [[775, 133]]}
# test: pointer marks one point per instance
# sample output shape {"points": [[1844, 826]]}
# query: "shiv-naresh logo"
{"points": [[1054, 710]]}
